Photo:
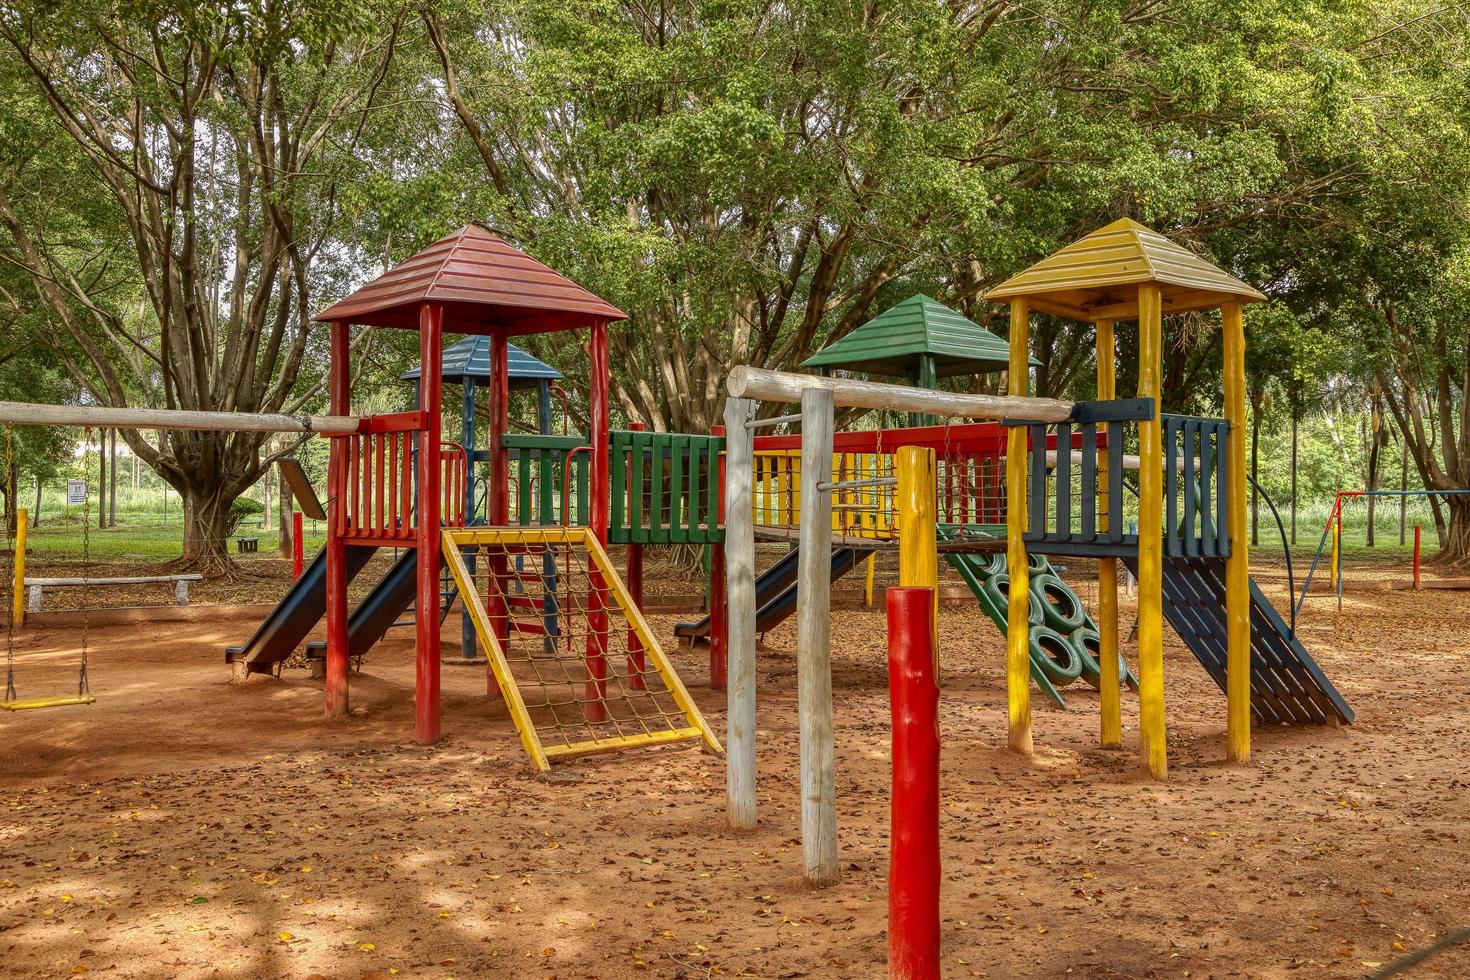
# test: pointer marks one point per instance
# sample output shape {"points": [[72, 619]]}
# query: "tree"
{"points": [[211, 142]]}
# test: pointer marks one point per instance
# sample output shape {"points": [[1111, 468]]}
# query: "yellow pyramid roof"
{"points": [[1088, 279]]}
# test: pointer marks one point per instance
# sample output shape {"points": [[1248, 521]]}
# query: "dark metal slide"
{"points": [[1286, 683], [775, 592], [304, 605]]}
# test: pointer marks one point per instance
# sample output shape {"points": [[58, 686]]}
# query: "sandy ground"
{"points": [[184, 826]]}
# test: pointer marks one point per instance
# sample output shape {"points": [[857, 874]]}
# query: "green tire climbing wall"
{"points": [[1063, 637]]}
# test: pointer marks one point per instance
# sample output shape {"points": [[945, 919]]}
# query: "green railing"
{"points": [[665, 488], [540, 493]]}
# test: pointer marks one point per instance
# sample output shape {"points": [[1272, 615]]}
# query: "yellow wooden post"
{"points": [[868, 583], [1109, 684], [1237, 566], [1018, 629], [18, 592], [918, 548], [1150, 538]]}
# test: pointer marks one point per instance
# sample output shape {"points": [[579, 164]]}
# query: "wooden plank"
{"points": [[813, 653], [124, 580], [740, 687]]}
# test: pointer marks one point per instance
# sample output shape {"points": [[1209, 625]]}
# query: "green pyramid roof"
{"points": [[892, 342]]}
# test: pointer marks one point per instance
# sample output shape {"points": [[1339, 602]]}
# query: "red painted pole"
{"points": [[426, 614], [597, 640], [297, 552], [339, 395], [717, 597], [717, 617], [913, 859], [1416, 556], [636, 662]]}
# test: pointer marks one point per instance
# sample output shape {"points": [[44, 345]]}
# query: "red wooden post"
{"points": [[636, 662], [913, 859], [717, 661], [499, 564], [339, 395], [426, 615], [596, 655], [1416, 556], [297, 552]]}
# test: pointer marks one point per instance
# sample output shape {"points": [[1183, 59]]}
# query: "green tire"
{"points": [[1062, 608], [1057, 657], [1037, 564], [997, 589]]}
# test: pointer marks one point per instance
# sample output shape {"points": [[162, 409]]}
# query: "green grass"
{"points": [[151, 543]]}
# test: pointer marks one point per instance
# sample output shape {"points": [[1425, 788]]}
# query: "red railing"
{"points": [[377, 469]]}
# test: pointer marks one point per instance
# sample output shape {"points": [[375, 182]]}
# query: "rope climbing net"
{"points": [[576, 663]]}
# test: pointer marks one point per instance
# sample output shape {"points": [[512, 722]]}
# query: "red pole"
{"points": [[339, 396], [717, 597], [597, 645], [913, 860], [1416, 556], [426, 615], [636, 662], [296, 547]]}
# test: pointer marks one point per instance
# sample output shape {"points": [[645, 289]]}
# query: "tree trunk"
{"points": [[1295, 422], [1403, 493], [1255, 471], [112, 478], [1456, 548], [206, 526], [102, 478], [284, 505], [1375, 443], [36, 511]]}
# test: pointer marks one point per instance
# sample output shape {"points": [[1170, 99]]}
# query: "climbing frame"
{"points": [[577, 664]]}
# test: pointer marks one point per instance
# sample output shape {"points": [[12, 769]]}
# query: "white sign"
{"points": [[76, 491]]}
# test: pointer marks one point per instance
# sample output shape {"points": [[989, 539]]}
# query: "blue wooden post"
{"points": [[543, 406], [469, 649]]}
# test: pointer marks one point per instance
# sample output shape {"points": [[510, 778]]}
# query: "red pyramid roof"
{"points": [[483, 283]]}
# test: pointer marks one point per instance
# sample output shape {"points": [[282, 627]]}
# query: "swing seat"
{"points": [[26, 704]]}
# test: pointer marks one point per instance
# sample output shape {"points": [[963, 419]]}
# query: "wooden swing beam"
{"points": [[100, 417]]}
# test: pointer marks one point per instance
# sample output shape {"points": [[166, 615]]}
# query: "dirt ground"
{"points": [[185, 826]]}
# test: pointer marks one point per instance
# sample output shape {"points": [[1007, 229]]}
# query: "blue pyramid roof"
{"points": [[470, 358]]}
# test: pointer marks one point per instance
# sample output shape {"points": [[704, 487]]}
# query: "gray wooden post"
{"points": [[813, 656], [740, 615]]}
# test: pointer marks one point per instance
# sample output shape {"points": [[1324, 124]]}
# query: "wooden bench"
{"points": [[34, 586]]}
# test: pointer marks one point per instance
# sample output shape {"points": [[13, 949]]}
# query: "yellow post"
{"points": [[868, 583], [1151, 538], [18, 592], [918, 547], [1107, 568], [1018, 628], [1237, 566]]}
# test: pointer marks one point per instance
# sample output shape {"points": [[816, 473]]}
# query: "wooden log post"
{"points": [[813, 653], [428, 535], [913, 852], [1237, 566], [1150, 538], [1109, 683], [25, 413], [918, 547], [1018, 626], [18, 570], [740, 807]]}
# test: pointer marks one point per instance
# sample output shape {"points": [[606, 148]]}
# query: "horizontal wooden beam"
{"points": [[101, 417], [780, 386]]}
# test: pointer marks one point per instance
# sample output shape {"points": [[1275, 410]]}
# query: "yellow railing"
{"points": [[857, 512]]}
